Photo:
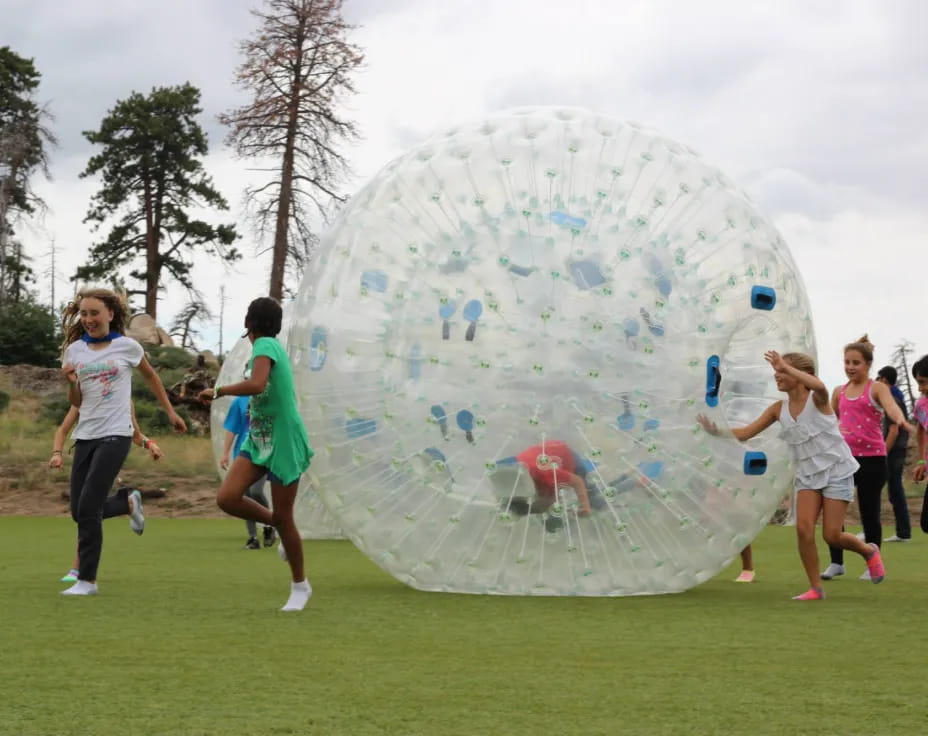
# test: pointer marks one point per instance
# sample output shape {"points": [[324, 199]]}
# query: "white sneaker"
{"points": [[282, 552], [136, 514], [832, 571], [897, 538], [865, 576], [861, 535], [81, 587]]}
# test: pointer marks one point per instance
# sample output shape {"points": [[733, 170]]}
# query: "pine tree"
{"points": [[24, 143], [152, 178]]}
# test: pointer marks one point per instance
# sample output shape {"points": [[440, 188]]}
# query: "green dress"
{"points": [[277, 436]]}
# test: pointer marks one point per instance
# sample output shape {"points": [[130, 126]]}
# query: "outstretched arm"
{"points": [[771, 414], [885, 397], [260, 373], [813, 383], [157, 388], [583, 495]]}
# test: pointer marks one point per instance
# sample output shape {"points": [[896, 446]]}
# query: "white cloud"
{"points": [[817, 109]]}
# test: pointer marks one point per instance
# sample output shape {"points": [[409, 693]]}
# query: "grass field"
{"points": [[185, 638]]}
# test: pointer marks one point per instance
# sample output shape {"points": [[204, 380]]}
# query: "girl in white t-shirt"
{"points": [[125, 501], [98, 362]]}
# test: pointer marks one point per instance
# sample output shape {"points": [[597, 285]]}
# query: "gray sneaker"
{"points": [[897, 538], [136, 514], [832, 571]]}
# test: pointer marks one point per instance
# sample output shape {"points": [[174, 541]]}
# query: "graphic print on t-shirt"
{"points": [[261, 425], [103, 373]]}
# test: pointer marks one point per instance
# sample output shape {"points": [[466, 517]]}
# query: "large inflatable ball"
{"points": [[503, 345], [311, 516]]}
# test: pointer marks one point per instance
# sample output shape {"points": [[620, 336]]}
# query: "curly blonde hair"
{"points": [[71, 326]]}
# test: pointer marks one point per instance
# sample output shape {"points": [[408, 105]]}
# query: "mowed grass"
{"points": [[185, 638]]}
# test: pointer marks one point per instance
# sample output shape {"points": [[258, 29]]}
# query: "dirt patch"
{"points": [[165, 495], [43, 382]]}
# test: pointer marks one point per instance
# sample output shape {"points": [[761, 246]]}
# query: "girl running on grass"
{"points": [[98, 361], [123, 501], [859, 405], [276, 444], [824, 465]]}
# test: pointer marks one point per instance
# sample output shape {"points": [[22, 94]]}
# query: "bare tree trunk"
{"points": [[281, 231], [151, 257]]}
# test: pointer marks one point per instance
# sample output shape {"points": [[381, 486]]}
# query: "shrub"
{"points": [[153, 420], [163, 357], [28, 335], [54, 409]]}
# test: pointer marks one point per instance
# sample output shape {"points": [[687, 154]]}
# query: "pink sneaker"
{"points": [[875, 565], [812, 594], [746, 576]]}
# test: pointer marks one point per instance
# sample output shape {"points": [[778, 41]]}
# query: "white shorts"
{"points": [[841, 489]]}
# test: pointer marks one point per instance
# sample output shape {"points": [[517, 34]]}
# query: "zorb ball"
{"points": [[310, 514], [532, 308]]}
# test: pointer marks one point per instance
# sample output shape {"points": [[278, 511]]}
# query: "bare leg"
{"points": [[747, 559], [231, 496], [283, 498], [808, 506], [833, 512]]}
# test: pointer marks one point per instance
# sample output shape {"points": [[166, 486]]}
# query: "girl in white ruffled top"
{"points": [[825, 468]]}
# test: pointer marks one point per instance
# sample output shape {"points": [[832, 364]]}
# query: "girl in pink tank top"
{"points": [[859, 405], [861, 421]]}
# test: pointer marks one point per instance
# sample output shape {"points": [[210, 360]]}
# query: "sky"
{"points": [[817, 109]]}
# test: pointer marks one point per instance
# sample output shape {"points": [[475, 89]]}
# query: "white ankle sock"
{"points": [[300, 594], [81, 587]]}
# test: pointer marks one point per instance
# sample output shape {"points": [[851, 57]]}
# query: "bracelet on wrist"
{"points": [[216, 391], [145, 443], [920, 462], [56, 452]]}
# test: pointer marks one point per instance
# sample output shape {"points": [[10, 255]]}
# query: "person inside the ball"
{"points": [[551, 465]]}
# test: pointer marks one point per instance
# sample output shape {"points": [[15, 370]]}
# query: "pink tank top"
{"points": [[862, 423]]}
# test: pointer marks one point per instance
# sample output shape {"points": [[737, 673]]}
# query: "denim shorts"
{"points": [[841, 489], [270, 476]]}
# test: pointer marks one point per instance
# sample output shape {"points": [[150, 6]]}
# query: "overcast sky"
{"points": [[818, 109]]}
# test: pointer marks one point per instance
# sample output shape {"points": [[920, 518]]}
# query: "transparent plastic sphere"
{"points": [[311, 516], [547, 291]]}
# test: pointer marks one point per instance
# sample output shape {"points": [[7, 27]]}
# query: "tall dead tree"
{"points": [[298, 66], [901, 361]]}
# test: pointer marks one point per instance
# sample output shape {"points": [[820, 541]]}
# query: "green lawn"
{"points": [[185, 638]]}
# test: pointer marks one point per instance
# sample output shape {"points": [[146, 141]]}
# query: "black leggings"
{"points": [[95, 467], [869, 479]]}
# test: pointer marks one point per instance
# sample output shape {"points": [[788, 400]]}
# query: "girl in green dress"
{"points": [[276, 444]]}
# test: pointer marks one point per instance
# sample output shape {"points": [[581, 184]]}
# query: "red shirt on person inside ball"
{"points": [[548, 464]]}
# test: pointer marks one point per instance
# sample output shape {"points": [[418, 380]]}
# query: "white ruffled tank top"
{"points": [[818, 449]]}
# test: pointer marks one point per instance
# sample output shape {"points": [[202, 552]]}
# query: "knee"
{"points": [[225, 501], [281, 519], [832, 537], [805, 532]]}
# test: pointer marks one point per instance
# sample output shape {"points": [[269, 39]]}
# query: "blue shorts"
{"points": [[270, 476]]}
